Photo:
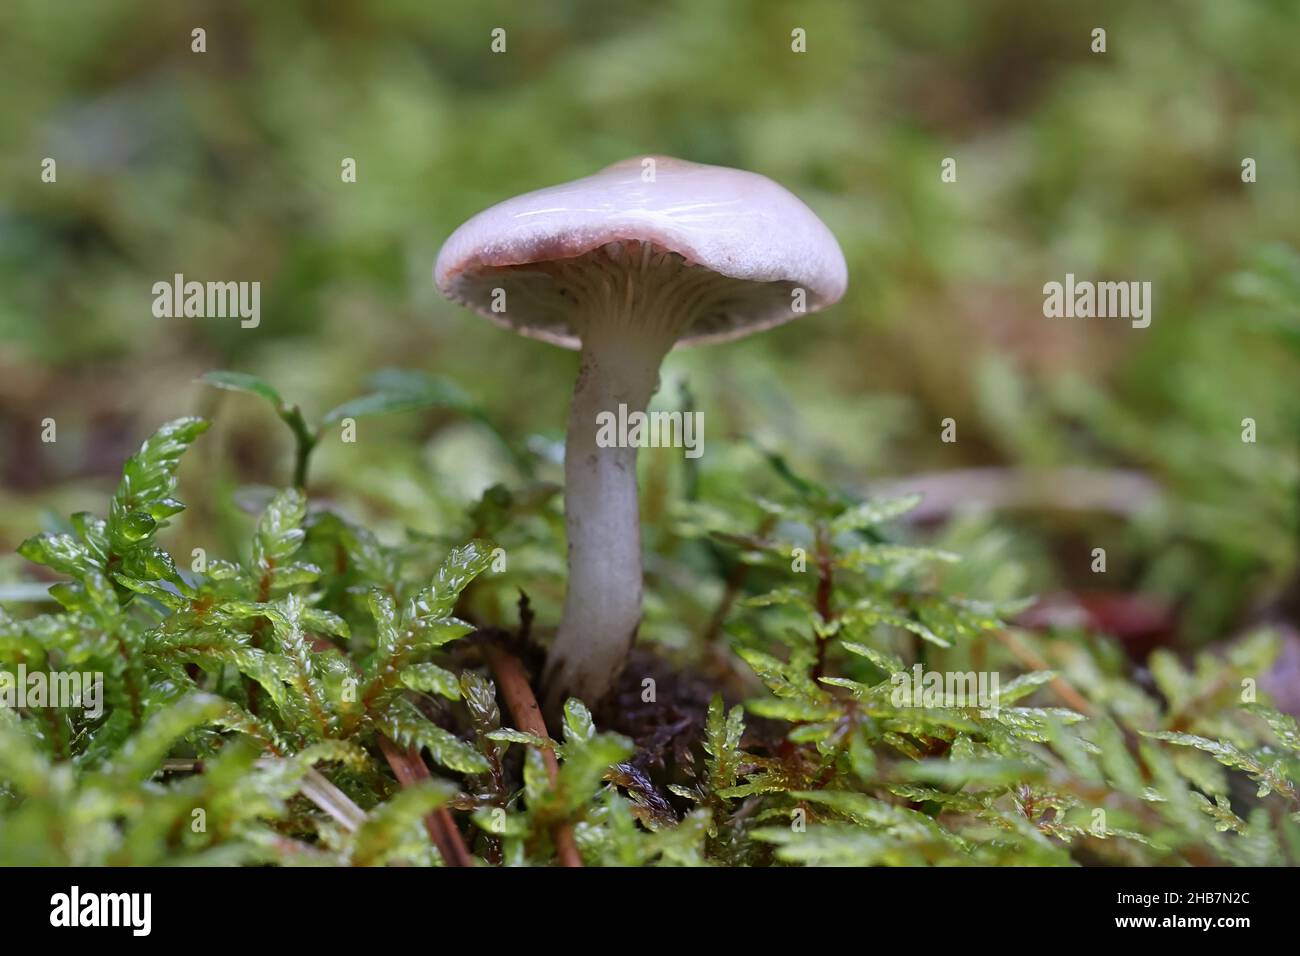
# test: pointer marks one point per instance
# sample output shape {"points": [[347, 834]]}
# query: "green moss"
{"points": [[225, 687]]}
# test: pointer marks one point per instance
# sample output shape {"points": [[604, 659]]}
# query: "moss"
{"points": [[287, 703]]}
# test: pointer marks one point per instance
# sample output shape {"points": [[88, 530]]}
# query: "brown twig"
{"points": [[527, 715], [410, 770], [825, 591], [1033, 661]]}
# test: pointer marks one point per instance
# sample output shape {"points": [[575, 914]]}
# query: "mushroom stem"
{"points": [[602, 606]]}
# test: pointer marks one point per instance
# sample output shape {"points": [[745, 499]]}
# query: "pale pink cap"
{"points": [[735, 223]]}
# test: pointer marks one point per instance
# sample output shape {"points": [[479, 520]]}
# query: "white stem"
{"points": [[602, 606]]}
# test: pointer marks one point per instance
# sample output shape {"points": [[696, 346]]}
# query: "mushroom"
{"points": [[625, 264]]}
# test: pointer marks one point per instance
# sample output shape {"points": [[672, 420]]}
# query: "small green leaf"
{"points": [[431, 679], [243, 382], [434, 603], [959, 773], [869, 514], [59, 552], [399, 391], [279, 531], [1024, 685], [406, 725], [1283, 725], [143, 500], [385, 825], [578, 725], [507, 735]]}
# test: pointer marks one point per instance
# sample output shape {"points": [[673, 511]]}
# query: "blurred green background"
{"points": [[1126, 165]]}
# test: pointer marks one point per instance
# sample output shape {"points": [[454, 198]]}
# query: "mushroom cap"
{"points": [[736, 224]]}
